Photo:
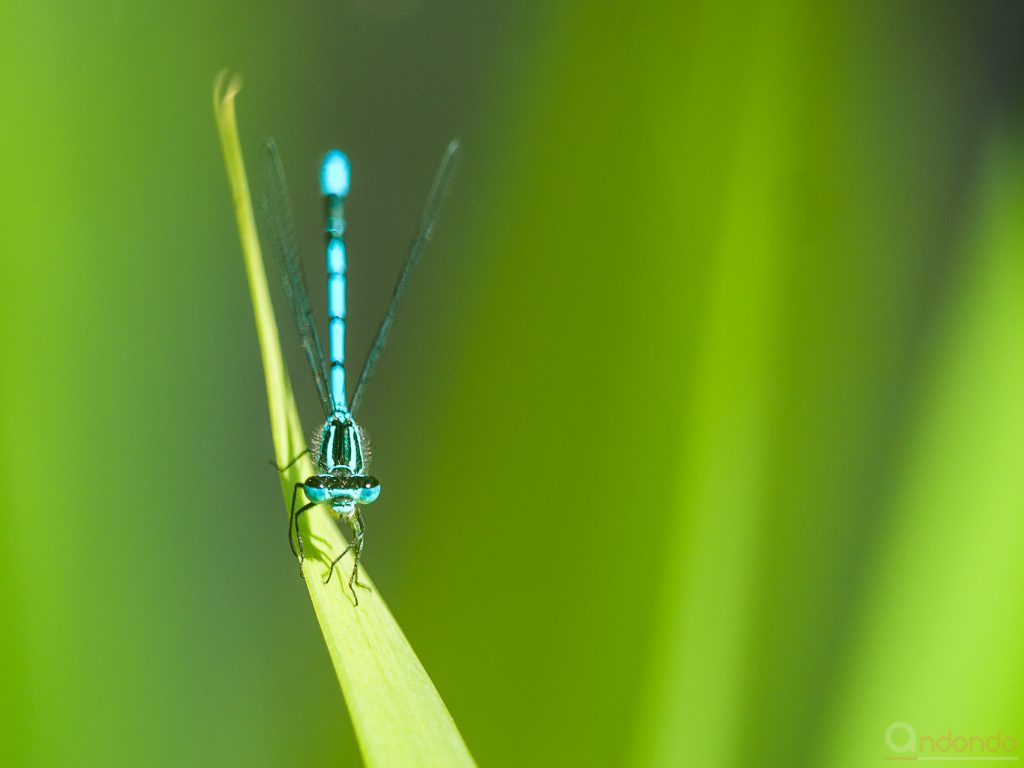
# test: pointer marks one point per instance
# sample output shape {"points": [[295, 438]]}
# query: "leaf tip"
{"points": [[225, 87]]}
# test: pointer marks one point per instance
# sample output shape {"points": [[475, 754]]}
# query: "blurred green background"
{"points": [[701, 430]]}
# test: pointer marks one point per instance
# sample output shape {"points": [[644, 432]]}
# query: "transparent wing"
{"points": [[431, 212], [277, 213]]}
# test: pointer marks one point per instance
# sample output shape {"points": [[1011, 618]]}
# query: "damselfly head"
{"points": [[343, 491]]}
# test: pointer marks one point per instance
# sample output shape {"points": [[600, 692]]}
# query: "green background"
{"points": [[700, 432]]}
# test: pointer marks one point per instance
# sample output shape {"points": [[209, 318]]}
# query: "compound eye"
{"points": [[370, 490]]}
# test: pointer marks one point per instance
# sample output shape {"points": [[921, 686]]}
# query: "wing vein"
{"points": [[431, 212], [277, 213]]}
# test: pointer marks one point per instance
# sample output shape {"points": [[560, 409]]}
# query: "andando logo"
{"points": [[905, 743]]}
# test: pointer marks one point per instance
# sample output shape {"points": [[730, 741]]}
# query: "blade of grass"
{"points": [[399, 718], [938, 644]]}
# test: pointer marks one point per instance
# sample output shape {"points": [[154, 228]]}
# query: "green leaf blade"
{"points": [[398, 716]]}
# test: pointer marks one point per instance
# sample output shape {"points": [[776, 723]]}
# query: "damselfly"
{"points": [[342, 480]]}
